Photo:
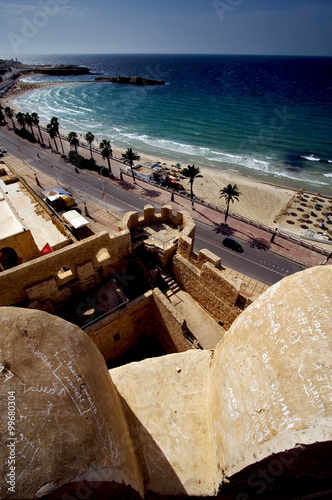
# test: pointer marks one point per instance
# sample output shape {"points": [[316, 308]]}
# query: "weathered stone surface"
{"points": [[165, 405], [86, 275], [68, 419], [194, 421], [271, 377]]}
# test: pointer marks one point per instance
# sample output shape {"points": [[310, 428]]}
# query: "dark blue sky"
{"points": [[280, 27]]}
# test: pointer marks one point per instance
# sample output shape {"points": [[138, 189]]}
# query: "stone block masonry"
{"points": [[209, 287], [81, 265], [151, 314]]}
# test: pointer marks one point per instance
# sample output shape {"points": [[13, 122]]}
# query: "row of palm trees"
{"points": [[23, 119], [229, 192], [105, 150], [53, 131]]}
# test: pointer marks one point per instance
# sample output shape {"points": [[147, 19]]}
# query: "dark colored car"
{"points": [[232, 244]]}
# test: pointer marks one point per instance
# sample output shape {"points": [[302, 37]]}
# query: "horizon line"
{"points": [[17, 56]]}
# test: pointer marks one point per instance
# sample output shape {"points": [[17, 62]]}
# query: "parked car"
{"points": [[232, 244]]}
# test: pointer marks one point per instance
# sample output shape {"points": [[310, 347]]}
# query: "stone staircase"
{"points": [[173, 287]]}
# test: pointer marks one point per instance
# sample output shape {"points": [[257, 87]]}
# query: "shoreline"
{"points": [[262, 201]]}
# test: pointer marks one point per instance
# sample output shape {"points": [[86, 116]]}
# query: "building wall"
{"points": [[151, 314], [54, 277], [209, 287], [23, 244], [171, 326], [117, 333]]}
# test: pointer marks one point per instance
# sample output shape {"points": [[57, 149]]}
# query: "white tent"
{"points": [[75, 219]]}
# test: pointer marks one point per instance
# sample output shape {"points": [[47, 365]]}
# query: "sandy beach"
{"points": [[269, 204]]}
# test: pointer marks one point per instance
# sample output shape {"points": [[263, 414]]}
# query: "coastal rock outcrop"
{"points": [[63, 70], [133, 80]]}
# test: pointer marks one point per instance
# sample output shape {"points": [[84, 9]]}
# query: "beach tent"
{"points": [[55, 192], [75, 219], [60, 202]]}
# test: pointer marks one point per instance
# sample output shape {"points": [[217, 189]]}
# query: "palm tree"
{"points": [[35, 121], [89, 137], [106, 151], [20, 117], [192, 173], [52, 133], [10, 113], [73, 140], [129, 157], [29, 121], [230, 193], [55, 125]]}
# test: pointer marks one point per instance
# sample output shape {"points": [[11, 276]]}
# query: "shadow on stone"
{"points": [[155, 469]]}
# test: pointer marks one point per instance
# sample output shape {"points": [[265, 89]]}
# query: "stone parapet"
{"points": [[209, 287], [182, 219], [85, 262]]}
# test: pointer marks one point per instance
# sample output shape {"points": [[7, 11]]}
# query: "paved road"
{"points": [[262, 265]]}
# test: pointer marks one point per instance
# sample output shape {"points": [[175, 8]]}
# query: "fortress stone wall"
{"points": [[151, 314], [23, 244], [51, 281], [52, 278], [253, 419]]}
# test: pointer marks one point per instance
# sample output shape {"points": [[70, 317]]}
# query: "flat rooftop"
{"points": [[10, 223], [23, 211]]}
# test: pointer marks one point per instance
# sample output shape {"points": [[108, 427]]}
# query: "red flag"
{"points": [[46, 249], [51, 166], [102, 196], [18, 148]]}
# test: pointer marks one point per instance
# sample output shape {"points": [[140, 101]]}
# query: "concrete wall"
{"points": [[72, 423], [44, 279]]}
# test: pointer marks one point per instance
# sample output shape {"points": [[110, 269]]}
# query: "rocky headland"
{"points": [[133, 80]]}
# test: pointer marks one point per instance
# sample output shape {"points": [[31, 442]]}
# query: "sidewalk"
{"points": [[257, 237]]}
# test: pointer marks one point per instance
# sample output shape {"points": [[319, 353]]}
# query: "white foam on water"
{"points": [[76, 114], [310, 157]]}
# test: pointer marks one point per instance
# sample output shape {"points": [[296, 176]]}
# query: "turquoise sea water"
{"points": [[264, 117]]}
